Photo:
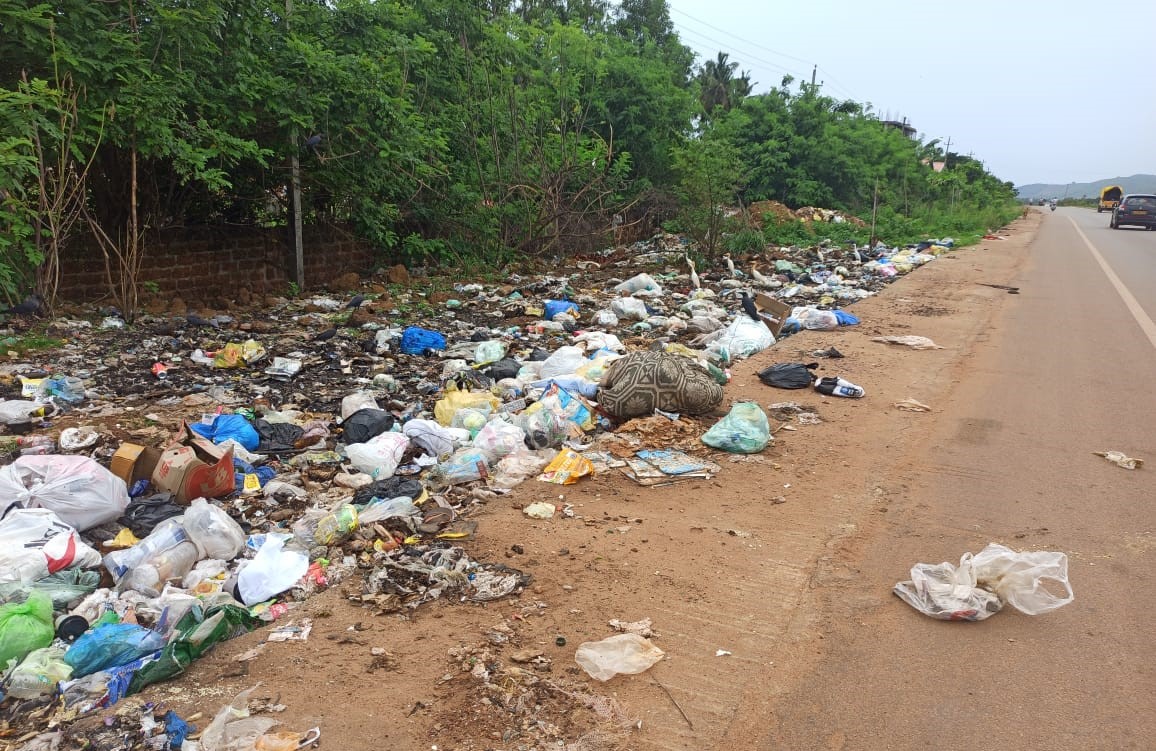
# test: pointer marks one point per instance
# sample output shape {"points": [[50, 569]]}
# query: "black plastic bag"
{"points": [[143, 514], [505, 368], [277, 437], [394, 487], [788, 375], [365, 424]]}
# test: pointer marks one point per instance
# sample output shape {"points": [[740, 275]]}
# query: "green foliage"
{"points": [[709, 173]]}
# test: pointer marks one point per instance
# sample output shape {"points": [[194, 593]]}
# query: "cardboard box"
{"points": [[773, 312], [133, 462], [193, 467]]}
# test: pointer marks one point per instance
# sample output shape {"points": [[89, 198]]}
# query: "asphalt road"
{"points": [[1068, 368]]}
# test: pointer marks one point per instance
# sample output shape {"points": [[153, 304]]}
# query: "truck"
{"points": [[1109, 198]]}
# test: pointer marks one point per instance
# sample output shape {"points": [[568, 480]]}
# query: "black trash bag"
{"points": [[365, 424], [277, 437], [507, 367], [393, 487], [538, 355], [788, 375], [144, 514]]}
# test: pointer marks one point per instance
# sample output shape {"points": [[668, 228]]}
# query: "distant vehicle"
{"points": [[1109, 198], [1138, 210]]}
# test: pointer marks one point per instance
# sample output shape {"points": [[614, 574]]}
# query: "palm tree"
{"points": [[719, 87]]}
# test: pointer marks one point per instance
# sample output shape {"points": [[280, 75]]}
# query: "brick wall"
{"points": [[214, 264]]}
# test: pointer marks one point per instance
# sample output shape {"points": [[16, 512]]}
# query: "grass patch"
{"points": [[30, 342]]}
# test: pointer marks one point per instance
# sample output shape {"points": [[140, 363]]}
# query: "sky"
{"points": [[1051, 92]]}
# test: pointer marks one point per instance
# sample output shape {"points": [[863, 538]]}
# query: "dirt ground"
{"points": [[736, 573]]}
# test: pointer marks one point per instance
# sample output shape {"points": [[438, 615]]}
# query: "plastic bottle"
{"points": [[36, 445], [151, 575], [168, 534]]}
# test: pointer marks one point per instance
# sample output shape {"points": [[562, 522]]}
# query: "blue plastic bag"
{"points": [[554, 307], [225, 427], [111, 645], [845, 319], [417, 341]]}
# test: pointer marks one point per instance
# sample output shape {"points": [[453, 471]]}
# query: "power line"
{"points": [[731, 47], [757, 45]]}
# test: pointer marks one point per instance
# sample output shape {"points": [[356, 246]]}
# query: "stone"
{"points": [[358, 318], [526, 655], [178, 307], [439, 298], [349, 280]]}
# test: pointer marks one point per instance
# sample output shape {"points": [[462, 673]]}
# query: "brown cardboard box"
{"points": [[773, 312], [133, 462], [193, 467]]}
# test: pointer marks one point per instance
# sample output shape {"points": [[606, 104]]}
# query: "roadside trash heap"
{"points": [[321, 440]]}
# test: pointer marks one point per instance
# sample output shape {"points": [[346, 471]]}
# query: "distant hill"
{"points": [[1133, 184]]}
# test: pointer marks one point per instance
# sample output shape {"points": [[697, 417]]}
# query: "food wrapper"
{"points": [[566, 468]]}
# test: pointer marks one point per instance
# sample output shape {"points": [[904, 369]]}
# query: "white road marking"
{"points": [[1146, 323]]}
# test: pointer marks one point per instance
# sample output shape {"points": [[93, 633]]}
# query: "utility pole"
{"points": [[814, 72], [946, 151], [295, 189]]}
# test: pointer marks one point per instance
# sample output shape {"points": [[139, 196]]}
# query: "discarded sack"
{"points": [[35, 543], [788, 375], [982, 584], [639, 383], [744, 430], [908, 340], [742, 338], [81, 492], [627, 654], [109, 645], [226, 427]]}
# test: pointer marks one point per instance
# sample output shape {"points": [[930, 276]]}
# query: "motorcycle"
{"points": [[1053, 207]]}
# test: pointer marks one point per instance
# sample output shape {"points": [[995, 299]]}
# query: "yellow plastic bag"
{"points": [[234, 355], [453, 400], [566, 468]]}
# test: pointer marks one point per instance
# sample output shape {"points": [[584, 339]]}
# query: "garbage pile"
{"points": [[171, 484]]}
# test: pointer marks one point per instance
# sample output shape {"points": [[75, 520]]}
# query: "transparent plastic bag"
{"points": [[81, 492], [499, 438], [981, 584], [744, 430], [38, 675], [272, 571], [110, 645], [379, 456], [627, 654], [215, 533], [565, 361]]}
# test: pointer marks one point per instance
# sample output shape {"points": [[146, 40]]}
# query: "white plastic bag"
{"points": [[35, 543], [379, 456], [358, 400], [18, 411], [81, 492], [564, 361], [743, 338], [499, 438], [629, 309], [642, 285], [981, 584], [629, 654], [272, 571], [430, 436], [214, 532], [815, 319]]}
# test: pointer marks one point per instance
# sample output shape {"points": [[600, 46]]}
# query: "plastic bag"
{"points": [[464, 465], [981, 584], [168, 534], [606, 318], [109, 645], [627, 654], [788, 375], [516, 467], [744, 430], [629, 309], [365, 424], [226, 427], [489, 351], [379, 456], [642, 285], [742, 338], [63, 588], [566, 468], [815, 319], [552, 308], [456, 399], [18, 411], [272, 571], [429, 436], [25, 626], [81, 492], [564, 361], [144, 514], [215, 533], [499, 438], [233, 729], [35, 543], [355, 402], [418, 341], [38, 675], [544, 428]]}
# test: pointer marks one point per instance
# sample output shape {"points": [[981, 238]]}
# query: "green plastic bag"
{"points": [[745, 430], [24, 627]]}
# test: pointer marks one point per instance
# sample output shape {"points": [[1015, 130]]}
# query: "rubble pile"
{"points": [[170, 484]]}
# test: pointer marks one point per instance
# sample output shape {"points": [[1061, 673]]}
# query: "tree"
{"points": [[709, 174]]}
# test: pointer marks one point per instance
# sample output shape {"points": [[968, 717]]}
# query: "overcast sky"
{"points": [[1051, 92]]}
